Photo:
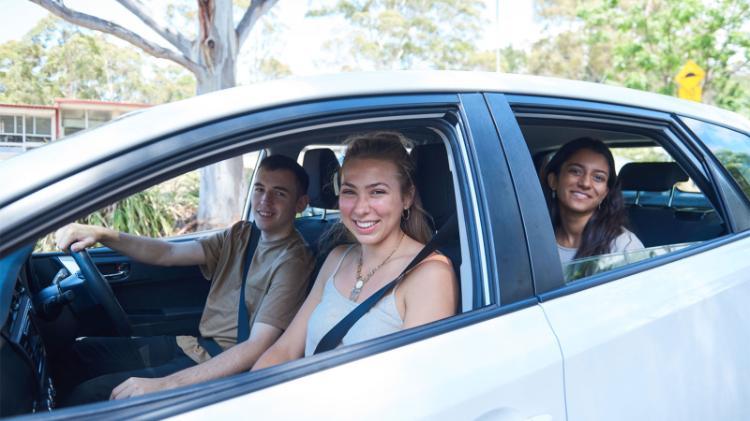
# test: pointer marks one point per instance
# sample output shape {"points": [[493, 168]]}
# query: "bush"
{"points": [[164, 210]]}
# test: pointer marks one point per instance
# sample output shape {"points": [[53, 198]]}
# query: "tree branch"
{"points": [[92, 22], [256, 9], [137, 8]]}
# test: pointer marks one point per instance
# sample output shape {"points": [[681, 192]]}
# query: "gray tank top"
{"points": [[382, 319]]}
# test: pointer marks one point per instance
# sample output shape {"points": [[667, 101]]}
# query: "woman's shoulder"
{"points": [[434, 268], [338, 253]]}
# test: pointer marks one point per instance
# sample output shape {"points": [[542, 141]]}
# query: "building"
{"points": [[23, 127]]}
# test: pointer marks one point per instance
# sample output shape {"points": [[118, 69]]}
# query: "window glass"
{"points": [[167, 209], [43, 126], [73, 121], [731, 148], [7, 124], [662, 210]]}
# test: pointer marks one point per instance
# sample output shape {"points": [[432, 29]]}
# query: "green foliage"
{"points": [[399, 34], [163, 210], [738, 165], [57, 60], [642, 44]]}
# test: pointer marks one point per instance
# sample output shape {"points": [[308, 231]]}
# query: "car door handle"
{"points": [[122, 271]]}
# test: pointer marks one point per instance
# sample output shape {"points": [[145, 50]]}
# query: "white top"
{"points": [[382, 319], [627, 241]]}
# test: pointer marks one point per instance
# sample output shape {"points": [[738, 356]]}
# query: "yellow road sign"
{"points": [[689, 80]]}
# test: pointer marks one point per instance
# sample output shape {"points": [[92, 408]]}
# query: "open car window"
{"points": [[665, 209]]}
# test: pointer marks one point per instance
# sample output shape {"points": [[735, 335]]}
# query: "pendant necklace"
{"points": [[362, 280]]}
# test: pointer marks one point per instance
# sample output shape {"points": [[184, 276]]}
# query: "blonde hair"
{"points": [[388, 146]]}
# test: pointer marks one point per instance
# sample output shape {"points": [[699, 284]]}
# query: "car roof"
{"points": [[36, 168]]}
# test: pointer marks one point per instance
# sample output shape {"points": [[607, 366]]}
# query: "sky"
{"points": [[301, 35]]}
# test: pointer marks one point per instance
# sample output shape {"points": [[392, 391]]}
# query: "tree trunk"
{"points": [[211, 57], [223, 188]]}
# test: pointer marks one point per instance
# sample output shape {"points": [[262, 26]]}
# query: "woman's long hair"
{"points": [[607, 222], [390, 147]]}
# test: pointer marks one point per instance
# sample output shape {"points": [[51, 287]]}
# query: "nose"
{"points": [[362, 205], [266, 197], [584, 181]]}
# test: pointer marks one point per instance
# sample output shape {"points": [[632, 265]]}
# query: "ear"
{"points": [[409, 197], [302, 202], [552, 181]]}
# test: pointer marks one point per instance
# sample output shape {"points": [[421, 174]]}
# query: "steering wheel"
{"points": [[101, 292]]}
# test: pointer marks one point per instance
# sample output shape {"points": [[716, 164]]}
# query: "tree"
{"points": [[398, 34], [210, 56], [643, 43], [56, 59], [653, 39]]}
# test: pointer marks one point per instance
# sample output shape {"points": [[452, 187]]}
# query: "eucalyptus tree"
{"points": [[210, 54]]}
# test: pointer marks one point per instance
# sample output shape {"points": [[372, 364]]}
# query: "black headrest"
{"points": [[321, 165], [434, 181], [651, 176]]}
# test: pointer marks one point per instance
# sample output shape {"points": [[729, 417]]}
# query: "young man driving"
{"points": [[275, 287]]}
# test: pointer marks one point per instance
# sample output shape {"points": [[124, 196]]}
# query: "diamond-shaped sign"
{"points": [[689, 80]]}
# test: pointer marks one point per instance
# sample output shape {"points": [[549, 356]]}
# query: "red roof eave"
{"points": [[95, 102], [33, 107]]}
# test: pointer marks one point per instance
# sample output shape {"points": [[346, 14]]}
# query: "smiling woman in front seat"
{"points": [[386, 228], [585, 201]]}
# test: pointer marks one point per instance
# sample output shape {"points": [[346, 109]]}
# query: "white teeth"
{"points": [[264, 214], [363, 224]]}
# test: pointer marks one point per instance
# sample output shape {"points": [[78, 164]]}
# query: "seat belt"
{"points": [[332, 339], [243, 320]]}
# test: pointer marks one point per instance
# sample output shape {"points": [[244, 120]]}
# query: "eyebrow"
{"points": [[369, 186], [281, 188], [605, 172]]}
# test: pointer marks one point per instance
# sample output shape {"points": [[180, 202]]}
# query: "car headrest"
{"points": [[651, 176], [321, 165], [434, 181]]}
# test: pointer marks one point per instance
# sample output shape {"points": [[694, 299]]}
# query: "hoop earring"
{"points": [[406, 214]]}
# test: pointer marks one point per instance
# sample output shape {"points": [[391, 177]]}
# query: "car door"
{"points": [[664, 338], [497, 359], [500, 361]]}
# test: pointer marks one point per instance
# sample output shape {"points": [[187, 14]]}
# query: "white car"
{"points": [[659, 334]]}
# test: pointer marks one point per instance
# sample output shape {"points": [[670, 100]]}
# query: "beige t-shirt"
{"points": [[275, 288]]}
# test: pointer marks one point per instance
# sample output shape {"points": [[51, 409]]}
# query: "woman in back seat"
{"points": [[386, 228], [585, 201]]}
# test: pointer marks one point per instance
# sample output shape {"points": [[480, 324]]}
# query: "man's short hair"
{"points": [[282, 162]]}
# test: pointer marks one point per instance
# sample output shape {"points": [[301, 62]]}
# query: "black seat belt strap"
{"points": [[243, 320], [333, 338]]}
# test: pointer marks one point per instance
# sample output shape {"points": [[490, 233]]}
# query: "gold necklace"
{"points": [[361, 281]]}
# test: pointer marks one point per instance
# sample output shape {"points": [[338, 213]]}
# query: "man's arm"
{"points": [[236, 359], [143, 249]]}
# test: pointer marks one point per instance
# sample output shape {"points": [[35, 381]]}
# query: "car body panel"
{"points": [[667, 343], [502, 379]]}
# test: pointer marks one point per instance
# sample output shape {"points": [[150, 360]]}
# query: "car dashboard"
{"points": [[25, 382]]}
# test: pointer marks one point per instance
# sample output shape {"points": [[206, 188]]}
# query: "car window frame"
{"points": [[670, 135]]}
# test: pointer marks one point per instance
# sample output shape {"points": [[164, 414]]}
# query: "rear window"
{"points": [[730, 147]]}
